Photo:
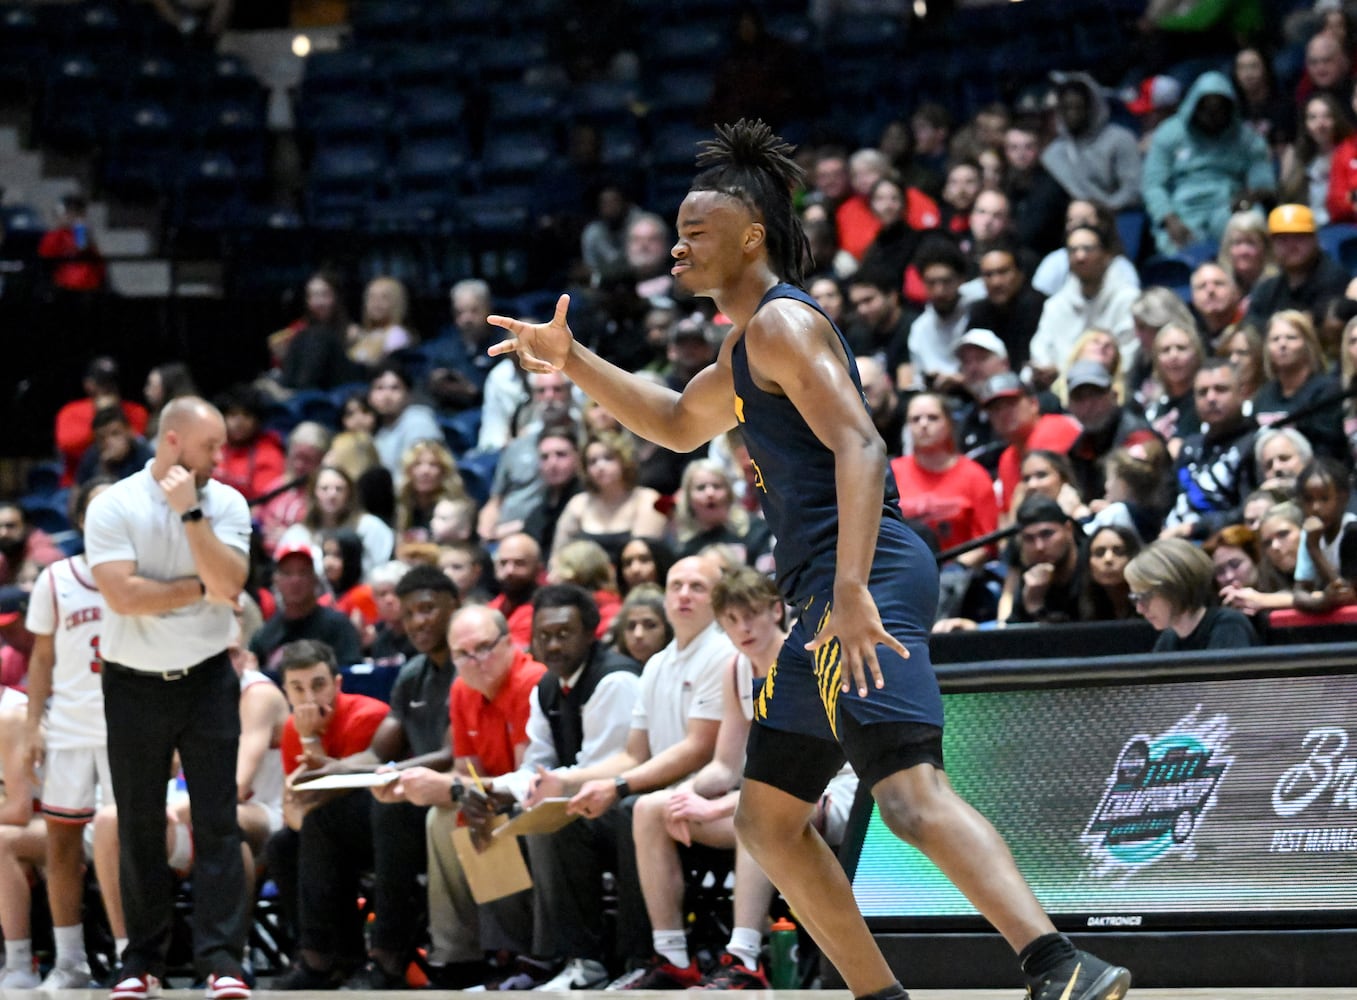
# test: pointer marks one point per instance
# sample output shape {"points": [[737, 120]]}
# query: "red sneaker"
{"points": [[662, 974], [730, 974]]}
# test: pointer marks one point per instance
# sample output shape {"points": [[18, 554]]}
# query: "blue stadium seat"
{"points": [[1131, 232], [683, 46], [1170, 271], [514, 157], [23, 227], [44, 479], [209, 195], [144, 145], [508, 58], [605, 100], [156, 78], [460, 431], [439, 65], [344, 178], [72, 109], [477, 469], [1333, 236], [355, 117], [367, 679], [229, 77], [23, 48], [432, 111], [384, 21], [336, 76], [1347, 254], [517, 104]]}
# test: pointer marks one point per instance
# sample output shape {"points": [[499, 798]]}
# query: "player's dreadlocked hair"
{"points": [[748, 162]]}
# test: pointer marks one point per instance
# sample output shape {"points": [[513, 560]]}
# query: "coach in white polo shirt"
{"points": [[169, 550]]}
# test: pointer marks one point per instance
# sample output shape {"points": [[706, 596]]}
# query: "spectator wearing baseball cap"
{"points": [[1308, 275], [1156, 99], [1012, 407], [1048, 552], [982, 354], [300, 614], [1107, 424]]}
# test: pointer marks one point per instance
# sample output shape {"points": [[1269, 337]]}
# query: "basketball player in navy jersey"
{"points": [[854, 677]]}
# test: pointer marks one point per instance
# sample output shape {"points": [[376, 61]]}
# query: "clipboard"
{"points": [[547, 816], [496, 872], [365, 779]]}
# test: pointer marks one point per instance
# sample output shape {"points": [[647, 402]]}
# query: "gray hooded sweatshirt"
{"points": [[1101, 165]]}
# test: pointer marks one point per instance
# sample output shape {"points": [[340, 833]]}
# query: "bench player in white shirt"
{"points": [[65, 613], [21, 843]]}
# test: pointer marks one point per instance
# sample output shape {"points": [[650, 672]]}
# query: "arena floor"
{"points": [[1135, 994]]}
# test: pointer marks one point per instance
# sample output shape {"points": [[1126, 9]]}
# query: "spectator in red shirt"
{"points": [[80, 265], [1017, 418], [518, 570], [488, 708], [253, 458], [949, 492], [326, 724], [75, 420]]}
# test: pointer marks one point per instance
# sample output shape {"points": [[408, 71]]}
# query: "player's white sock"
{"points": [[119, 946], [19, 954], [70, 945], [673, 945], [745, 943]]}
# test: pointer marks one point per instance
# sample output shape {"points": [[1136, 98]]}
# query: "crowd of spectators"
{"points": [[1077, 442]]}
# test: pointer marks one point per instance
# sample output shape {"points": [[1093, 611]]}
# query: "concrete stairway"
{"points": [[129, 241]]}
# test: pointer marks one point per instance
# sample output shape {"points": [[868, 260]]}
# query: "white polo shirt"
{"points": [[680, 685], [131, 521]]}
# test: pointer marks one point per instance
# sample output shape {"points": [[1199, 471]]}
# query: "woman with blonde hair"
{"points": [[1246, 251], [1244, 348], [1279, 535], [334, 504], [1175, 359], [584, 562], [383, 328], [1155, 309], [1173, 586], [1295, 366], [1094, 344], [612, 507], [705, 513], [428, 474]]}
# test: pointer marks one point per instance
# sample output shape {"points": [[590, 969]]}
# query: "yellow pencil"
{"points": [[475, 777]]}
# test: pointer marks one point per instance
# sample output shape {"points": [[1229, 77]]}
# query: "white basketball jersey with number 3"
{"points": [[67, 605]]}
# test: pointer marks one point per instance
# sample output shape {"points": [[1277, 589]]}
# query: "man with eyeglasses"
{"points": [[1087, 299], [341, 839], [489, 710]]}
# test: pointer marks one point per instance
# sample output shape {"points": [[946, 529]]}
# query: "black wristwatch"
{"points": [[456, 792], [192, 514], [623, 787]]}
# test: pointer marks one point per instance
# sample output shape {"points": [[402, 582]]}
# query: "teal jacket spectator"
{"points": [[1201, 163]]}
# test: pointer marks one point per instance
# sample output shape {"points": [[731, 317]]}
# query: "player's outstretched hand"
{"points": [[855, 622], [541, 347]]}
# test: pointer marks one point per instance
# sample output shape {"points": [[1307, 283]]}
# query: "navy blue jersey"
{"points": [[795, 471]]}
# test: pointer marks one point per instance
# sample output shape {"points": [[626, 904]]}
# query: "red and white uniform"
{"points": [[66, 605]]}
